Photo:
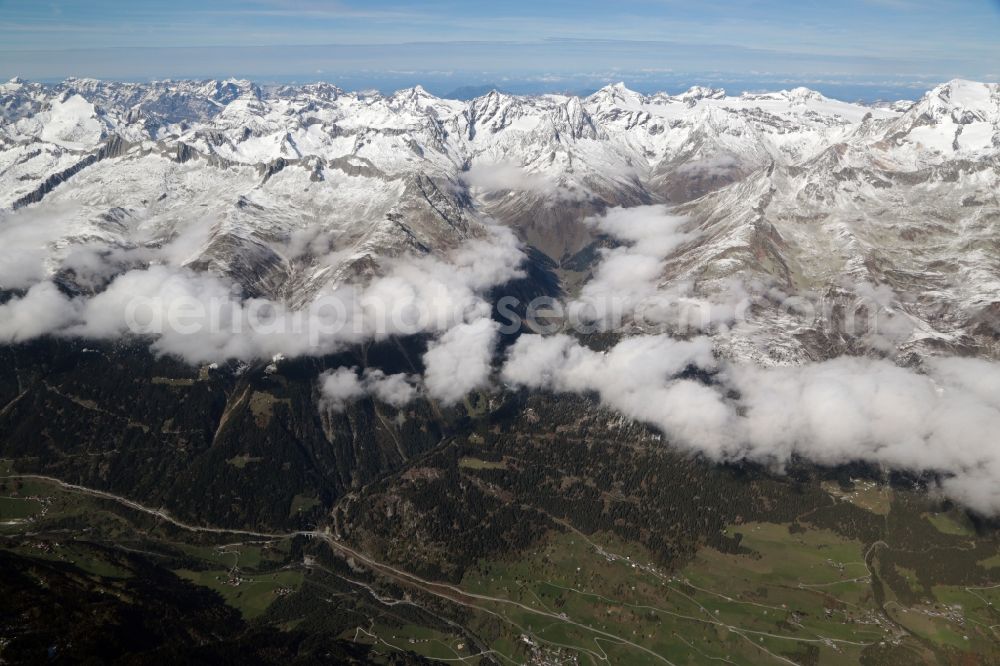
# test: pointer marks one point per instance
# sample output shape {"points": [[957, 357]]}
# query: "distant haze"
{"points": [[857, 49]]}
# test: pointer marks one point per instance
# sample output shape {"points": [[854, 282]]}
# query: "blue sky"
{"points": [[871, 45]]}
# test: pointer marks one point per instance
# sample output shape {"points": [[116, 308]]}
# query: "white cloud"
{"points": [[944, 419], [635, 377], [651, 230], [860, 409], [500, 176], [339, 387], [343, 385], [629, 276], [396, 390], [629, 282], [460, 360], [24, 245], [42, 309], [200, 317], [94, 264]]}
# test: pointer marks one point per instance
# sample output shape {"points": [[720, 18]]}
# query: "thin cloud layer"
{"points": [[944, 419], [200, 317], [629, 281], [499, 176]]}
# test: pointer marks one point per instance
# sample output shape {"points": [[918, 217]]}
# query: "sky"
{"points": [[865, 48]]}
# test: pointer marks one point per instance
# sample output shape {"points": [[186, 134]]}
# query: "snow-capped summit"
{"points": [[617, 94], [321, 90], [802, 95], [695, 93], [414, 98], [958, 118], [413, 92], [418, 100], [957, 102], [70, 121], [980, 99]]}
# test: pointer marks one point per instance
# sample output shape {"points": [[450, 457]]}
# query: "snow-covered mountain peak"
{"points": [[695, 93], [802, 94], [966, 94], [900, 105], [417, 92], [617, 94], [492, 97], [320, 90], [956, 119], [961, 101], [71, 122], [413, 92], [230, 89], [418, 100], [413, 98], [84, 82], [496, 111]]}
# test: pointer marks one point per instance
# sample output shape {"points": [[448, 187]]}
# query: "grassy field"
{"points": [[865, 494], [804, 596], [950, 524], [475, 463], [991, 562], [606, 598], [241, 461], [18, 508], [420, 640], [249, 593], [302, 503]]}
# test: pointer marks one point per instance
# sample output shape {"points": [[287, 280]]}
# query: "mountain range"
{"points": [[790, 192]]}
